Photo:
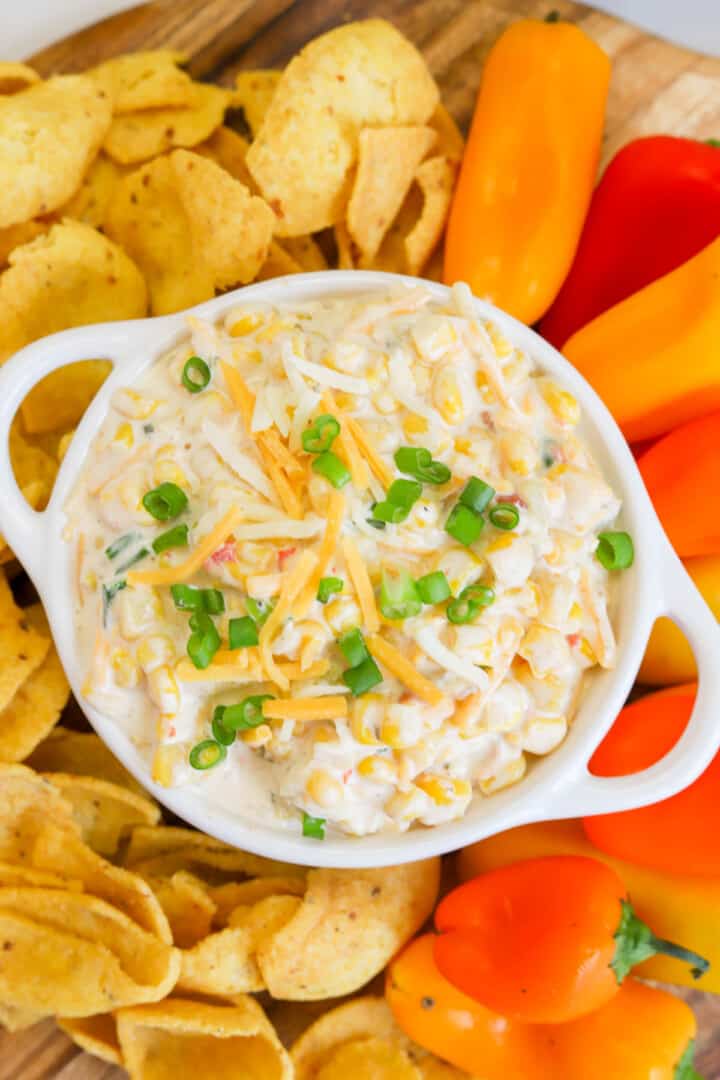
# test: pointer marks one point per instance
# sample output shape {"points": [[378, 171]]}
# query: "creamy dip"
{"points": [[384, 652]]}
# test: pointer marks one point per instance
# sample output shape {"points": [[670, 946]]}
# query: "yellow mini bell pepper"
{"points": [[668, 658], [679, 908]]}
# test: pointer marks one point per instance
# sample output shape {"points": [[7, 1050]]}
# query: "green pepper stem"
{"points": [[636, 942], [685, 1068]]}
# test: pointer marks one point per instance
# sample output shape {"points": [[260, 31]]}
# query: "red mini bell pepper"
{"points": [[657, 205]]}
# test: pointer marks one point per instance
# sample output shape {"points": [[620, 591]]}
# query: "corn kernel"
{"points": [[258, 736], [447, 397], [587, 650], [444, 790], [509, 774], [163, 690], [324, 733], [323, 788], [405, 806], [167, 471], [126, 671], [365, 715], [378, 767], [385, 402], [500, 343], [136, 406], [342, 614], [414, 425], [246, 324], [124, 434], [155, 650], [138, 610], [561, 403], [163, 765], [486, 391], [520, 452]]}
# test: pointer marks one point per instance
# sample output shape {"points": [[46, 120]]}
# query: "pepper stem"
{"points": [[636, 942], [685, 1068]]}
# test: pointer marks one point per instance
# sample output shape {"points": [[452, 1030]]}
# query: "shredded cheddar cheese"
{"points": [[328, 547], [172, 575], [331, 707], [362, 585], [401, 667]]}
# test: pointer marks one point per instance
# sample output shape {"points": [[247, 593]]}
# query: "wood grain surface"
{"points": [[656, 87]]}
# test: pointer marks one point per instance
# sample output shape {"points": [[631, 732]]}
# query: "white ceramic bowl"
{"points": [[558, 786]]}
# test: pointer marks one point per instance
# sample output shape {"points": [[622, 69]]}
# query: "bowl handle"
{"points": [[699, 743], [22, 527]]}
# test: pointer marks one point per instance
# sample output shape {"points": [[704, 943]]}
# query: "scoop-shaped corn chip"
{"points": [[14, 1019], [95, 1034], [105, 813], [15, 76], [162, 851], [361, 1041], [32, 466], [17, 235], [237, 894], [60, 399], [91, 200], [347, 927], [388, 158], [49, 134], [253, 94], [306, 252], [189, 908], [360, 75], [229, 150], [73, 954], [225, 963], [278, 263], [28, 802], [36, 706], [137, 136], [191, 227], [82, 754], [229, 225], [144, 80], [22, 647], [189, 1038], [71, 276], [436, 179], [62, 850], [450, 142], [346, 1024]]}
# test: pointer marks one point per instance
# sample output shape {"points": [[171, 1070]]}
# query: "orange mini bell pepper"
{"points": [[677, 906], [668, 657], [682, 475], [430, 1010], [596, 1047], [529, 166], [545, 940], [653, 358], [679, 834]]}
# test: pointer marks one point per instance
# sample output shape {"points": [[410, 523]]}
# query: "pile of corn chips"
{"points": [[127, 192]]}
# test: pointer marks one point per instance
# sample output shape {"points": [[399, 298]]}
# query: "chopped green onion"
{"points": [[165, 502], [353, 647], [363, 677], [504, 516], [433, 588], [467, 606], [204, 641], [375, 524], [712, 142], [173, 538], [213, 601], [399, 596], [615, 550], [320, 436], [136, 558], [389, 513], [224, 735], [464, 524], [327, 587], [207, 754], [195, 375], [259, 610], [242, 632], [404, 492], [417, 461], [109, 592], [314, 827], [192, 598], [247, 714], [332, 468], [118, 546], [476, 494]]}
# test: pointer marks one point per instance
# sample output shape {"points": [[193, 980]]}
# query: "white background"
{"points": [[29, 25]]}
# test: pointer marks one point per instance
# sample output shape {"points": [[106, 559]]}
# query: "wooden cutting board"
{"points": [[656, 87]]}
